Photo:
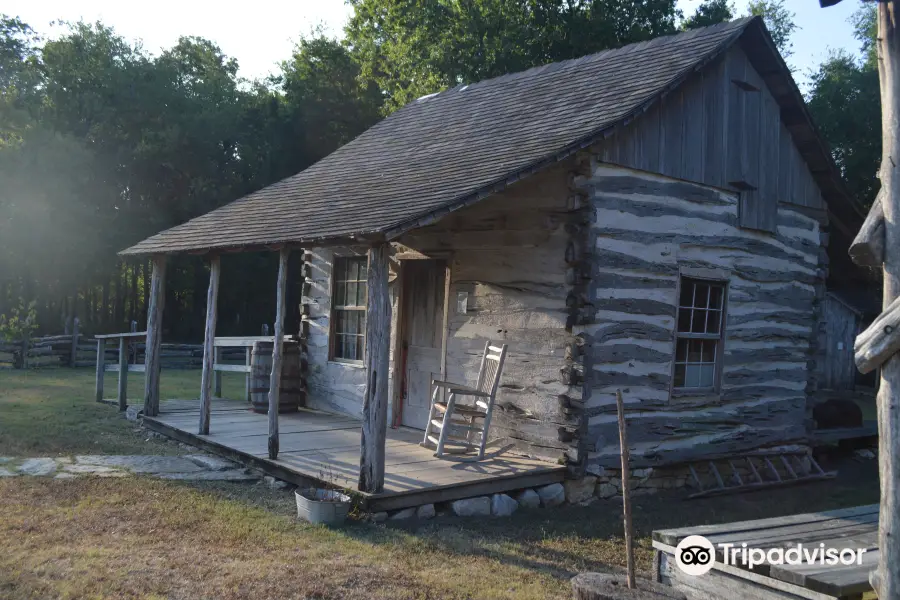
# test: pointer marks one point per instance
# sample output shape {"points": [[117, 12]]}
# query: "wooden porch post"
{"points": [[277, 348], [209, 350], [122, 394], [154, 333], [378, 347]]}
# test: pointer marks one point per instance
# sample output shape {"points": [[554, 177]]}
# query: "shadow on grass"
{"points": [[565, 541]]}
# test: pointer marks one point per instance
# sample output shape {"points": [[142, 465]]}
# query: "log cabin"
{"points": [[656, 219]]}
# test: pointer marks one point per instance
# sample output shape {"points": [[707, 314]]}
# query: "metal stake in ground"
{"points": [[626, 495]]}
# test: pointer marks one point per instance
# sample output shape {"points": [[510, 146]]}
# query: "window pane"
{"points": [[698, 322], [363, 269], [684, 319], [681, 351], [701, 295], [694, 350], [692, 376], [361, 294], [679, 376], [715, 299], [707, 375], [687, 293], [351, 295], [713, 319], [360, 347]]}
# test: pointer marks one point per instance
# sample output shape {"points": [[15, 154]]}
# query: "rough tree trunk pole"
{"points": [[886, 580], [626, 492], [156, 300], [122, 391], [277, 351], [378, 347], [209, 350]]}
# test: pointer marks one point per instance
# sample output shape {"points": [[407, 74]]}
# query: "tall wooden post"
{"points": [[277, 350], [378, 347], [122, 394], [73, 353], [101, 370], [887, 580], [155, 307], [209, 350]]}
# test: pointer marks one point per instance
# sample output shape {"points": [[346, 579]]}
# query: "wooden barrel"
{"points": [[292, 395]]}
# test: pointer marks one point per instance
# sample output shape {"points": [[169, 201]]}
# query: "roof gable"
{"points": [[444, 151]]}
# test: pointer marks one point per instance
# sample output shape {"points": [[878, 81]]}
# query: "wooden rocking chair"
{"points": [[464, 426]]}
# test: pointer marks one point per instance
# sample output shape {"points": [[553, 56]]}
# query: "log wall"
{"points": [[650, 230], [509, 257], [332, 386]]}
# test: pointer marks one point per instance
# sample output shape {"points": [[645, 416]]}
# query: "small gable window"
{"points": [[348, 308], [698, 345]]}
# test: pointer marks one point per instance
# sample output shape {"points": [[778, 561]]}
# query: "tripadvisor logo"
{"points": [[696, 555]]}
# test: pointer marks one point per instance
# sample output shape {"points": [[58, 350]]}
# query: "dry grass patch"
{"points": [[144, 538]]}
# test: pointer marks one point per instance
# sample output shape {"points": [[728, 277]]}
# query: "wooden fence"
{"points": [[62, 351]]}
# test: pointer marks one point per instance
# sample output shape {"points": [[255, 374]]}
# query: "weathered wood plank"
{"points": [[277, 353], [867, 249], [154, 336], [378, 342], [209, 334], [101, 364], [122, 392]]}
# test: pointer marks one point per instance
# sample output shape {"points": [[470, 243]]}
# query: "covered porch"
{"points": [[323, 448]]}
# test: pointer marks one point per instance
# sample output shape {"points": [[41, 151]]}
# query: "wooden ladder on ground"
{"points": [[757, 475]]}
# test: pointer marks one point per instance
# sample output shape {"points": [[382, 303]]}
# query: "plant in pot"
{"points": [[328, 504]]}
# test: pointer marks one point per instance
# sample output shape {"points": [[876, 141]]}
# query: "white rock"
{"points": [[589, 501], [64, 460], [379, 517], [88, 469], [502, 505], [426, 511], [6, 473], [642, 473], [213, 463], [274, 483], [606, 490], [64, 476], [528, 499], [5, 459], [134, 413], [579, 490], [142, 463], [403, 514], [552, 495], [38, 466], [472, 507]]}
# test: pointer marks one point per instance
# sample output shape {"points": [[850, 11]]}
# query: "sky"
{"points": [[261, 35]]}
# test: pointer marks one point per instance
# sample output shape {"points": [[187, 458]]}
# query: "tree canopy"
{"points": [[103, 143]]}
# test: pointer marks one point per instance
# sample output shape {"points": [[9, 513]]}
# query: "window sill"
{"points": [[353, 364]]}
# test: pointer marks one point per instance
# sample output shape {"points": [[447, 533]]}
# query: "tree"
{"points": [[410, 48], [709, 12], [844, 102], [779, 20]]}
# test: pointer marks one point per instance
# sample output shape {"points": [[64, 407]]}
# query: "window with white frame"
{"points": [[348, 308], [698, 344]]}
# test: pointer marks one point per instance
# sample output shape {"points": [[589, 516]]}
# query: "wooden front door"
{"points": [[422, 336]]}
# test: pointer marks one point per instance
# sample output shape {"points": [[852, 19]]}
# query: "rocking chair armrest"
{"points": [[456, 388]]}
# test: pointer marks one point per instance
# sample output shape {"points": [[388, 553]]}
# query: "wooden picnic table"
{"points": [[855, 528]]}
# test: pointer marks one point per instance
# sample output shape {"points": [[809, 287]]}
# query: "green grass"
{"points": [[52, 412], [145, 538]]}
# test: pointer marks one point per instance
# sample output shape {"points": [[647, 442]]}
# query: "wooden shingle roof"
{"points": [[447, 150]]}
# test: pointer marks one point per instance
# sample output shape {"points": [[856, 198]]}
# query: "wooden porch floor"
{"points": [[325, 447]]}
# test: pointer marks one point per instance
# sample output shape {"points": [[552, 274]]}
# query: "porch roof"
{"points": [[445, 151]]}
